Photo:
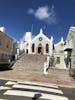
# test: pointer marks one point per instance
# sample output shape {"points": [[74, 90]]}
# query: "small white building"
{"points": [[69, 48], [41, 44]]}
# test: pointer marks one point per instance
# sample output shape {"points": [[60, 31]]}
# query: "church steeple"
{"points": [[41, 31], [62, 40], [52, 38]]}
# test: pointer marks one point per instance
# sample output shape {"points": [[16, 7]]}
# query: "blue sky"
{"points": [[54, 16]]}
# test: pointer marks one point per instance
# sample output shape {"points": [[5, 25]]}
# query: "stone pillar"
{"points": [[17, 52], [45, 68], [51, 48]]}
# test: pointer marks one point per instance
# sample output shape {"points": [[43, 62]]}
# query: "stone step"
{"points": [[30, 63]]}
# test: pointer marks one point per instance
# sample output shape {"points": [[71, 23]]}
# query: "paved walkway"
{"points": [[61, 76], [55, 76], [25, 90], [30, 68]]}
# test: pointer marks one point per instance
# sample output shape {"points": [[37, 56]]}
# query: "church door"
{"points": [[40, 48]]}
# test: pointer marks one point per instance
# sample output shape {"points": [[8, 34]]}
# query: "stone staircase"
{"points": [[30, 63]]}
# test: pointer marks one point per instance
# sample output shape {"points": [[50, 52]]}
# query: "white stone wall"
{"points": [[28, 41], [59, 52], [43, 42], [70, 40], [62, 64]]}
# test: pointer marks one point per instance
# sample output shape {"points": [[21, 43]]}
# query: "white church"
{"points": [[42, 45]]}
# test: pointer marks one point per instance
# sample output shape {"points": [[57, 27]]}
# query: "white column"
{"points": [[29, 48], [45, 68], [17, 52], [47, 61], [51, 48]]}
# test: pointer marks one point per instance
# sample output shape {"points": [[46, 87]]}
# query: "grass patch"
{"points": [[4, 62], [4, 65]]}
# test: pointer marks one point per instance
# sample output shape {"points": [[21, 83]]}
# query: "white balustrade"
{"points": [[46, 65], [45, 68]]}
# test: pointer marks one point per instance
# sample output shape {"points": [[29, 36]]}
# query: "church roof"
{"points": [[41, 34]]}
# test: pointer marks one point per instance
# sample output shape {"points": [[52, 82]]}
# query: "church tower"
{"points": [[28, 38]]}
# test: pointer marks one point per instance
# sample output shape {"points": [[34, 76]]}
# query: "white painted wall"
{"points": [[43, 42]]}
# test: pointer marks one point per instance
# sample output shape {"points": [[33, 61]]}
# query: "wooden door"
{"points": [[36, 50]]}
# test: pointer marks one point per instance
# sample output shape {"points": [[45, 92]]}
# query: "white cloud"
{"points": [[45, 14], [30, 11], [42, 13]]}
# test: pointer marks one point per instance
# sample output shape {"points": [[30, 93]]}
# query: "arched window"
{"points": [[40, 48], [47, 48], [33, 47], [40, 45]]}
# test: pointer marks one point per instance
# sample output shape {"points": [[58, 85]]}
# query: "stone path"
{"points": [[30, 68]]}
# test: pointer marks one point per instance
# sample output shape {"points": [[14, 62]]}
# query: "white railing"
{"points": [[22, 54], [46, 66]]}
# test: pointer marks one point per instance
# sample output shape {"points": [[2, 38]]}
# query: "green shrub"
{"points": [[72, 72], [4, 65]]}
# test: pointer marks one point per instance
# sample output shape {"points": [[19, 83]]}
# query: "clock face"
{"points": [[40, 38]]}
